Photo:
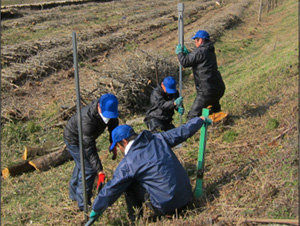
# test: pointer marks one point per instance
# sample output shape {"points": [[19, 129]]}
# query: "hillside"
{"points": [[251, 159]]}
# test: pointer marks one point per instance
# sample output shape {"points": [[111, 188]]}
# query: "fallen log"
{"points": [[53, 159], [31, 152], [17, 169]]}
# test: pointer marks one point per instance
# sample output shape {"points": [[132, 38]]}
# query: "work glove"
{"points": [[178, 101], [101, 178], [185, 51], [181, 110], [207, 120], [114, 151], [94, 214], [178, 49]]}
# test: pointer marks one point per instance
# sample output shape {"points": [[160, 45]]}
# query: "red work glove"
{"points": [[114, 151], [101, 178]]}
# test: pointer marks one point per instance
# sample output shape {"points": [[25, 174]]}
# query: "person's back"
{"points": [[92, 124], [155, 166], [205, 70]]}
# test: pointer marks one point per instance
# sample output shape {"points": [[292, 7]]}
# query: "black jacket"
{"points": [[208, 79], [161, 105], [92, 127]]}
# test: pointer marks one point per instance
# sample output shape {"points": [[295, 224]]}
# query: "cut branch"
{"points": [[31, 152], [17, 169], [53, 159]]}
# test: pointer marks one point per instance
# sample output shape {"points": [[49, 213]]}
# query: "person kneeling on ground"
{"points": [[164, 100], [150, 172]]}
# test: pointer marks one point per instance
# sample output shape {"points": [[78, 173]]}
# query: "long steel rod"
{"points": [[75, 56], [180, 8]]}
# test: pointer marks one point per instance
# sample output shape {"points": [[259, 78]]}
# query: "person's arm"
{"points": [[191, 59], [158, 99], [178, 135], [114, 188], [113, 123], [91, 153]]}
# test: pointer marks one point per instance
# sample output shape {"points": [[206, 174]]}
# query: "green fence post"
{"points": [[201, 155]]}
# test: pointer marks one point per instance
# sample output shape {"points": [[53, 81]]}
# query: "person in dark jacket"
{"points": [[150, 172], [209, 84], [100, 114], [164, 100]]}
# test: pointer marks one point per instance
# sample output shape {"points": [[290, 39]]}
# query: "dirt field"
{"points": [[113, 46]]}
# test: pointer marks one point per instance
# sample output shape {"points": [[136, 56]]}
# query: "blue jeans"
{"points": [[75, 186]]}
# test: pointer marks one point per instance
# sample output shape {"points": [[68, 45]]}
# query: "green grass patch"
{"points": [[230, 136], [272, 124]]}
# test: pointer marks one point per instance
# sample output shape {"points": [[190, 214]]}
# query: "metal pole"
{"points": [[298, 113], [201, 155], [180, 8], [91, 221], [79, 125]]}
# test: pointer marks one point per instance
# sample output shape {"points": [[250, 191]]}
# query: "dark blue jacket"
{"points": [[151, 163]]}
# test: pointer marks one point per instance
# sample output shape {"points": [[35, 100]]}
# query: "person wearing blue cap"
{"points": [[150, 172], [102, 113], [209, 84], [164, 99]]}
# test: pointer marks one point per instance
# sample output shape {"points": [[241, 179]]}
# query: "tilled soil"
{"points": [[124, 47]]}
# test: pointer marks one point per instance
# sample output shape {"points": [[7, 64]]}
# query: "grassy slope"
{"points": [[245, 177]]}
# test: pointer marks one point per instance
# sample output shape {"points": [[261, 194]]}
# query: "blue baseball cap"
{"points": [[201, 34], [170, 85], [119, 133], [109, 105]]}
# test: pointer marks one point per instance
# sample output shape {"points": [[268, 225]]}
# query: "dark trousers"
{"points": [[75, 186], [135, 196], [154, 125], [202, 101]]}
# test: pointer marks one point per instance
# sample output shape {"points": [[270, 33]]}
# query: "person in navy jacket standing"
{"points": [[150, 172]]}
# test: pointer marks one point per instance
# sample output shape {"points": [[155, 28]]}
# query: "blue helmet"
{"points": [[201, 34], [119, 133], [109, 105], [170, 85]]}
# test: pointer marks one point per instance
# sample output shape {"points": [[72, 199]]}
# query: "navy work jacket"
{"points": [[151, 163]]}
